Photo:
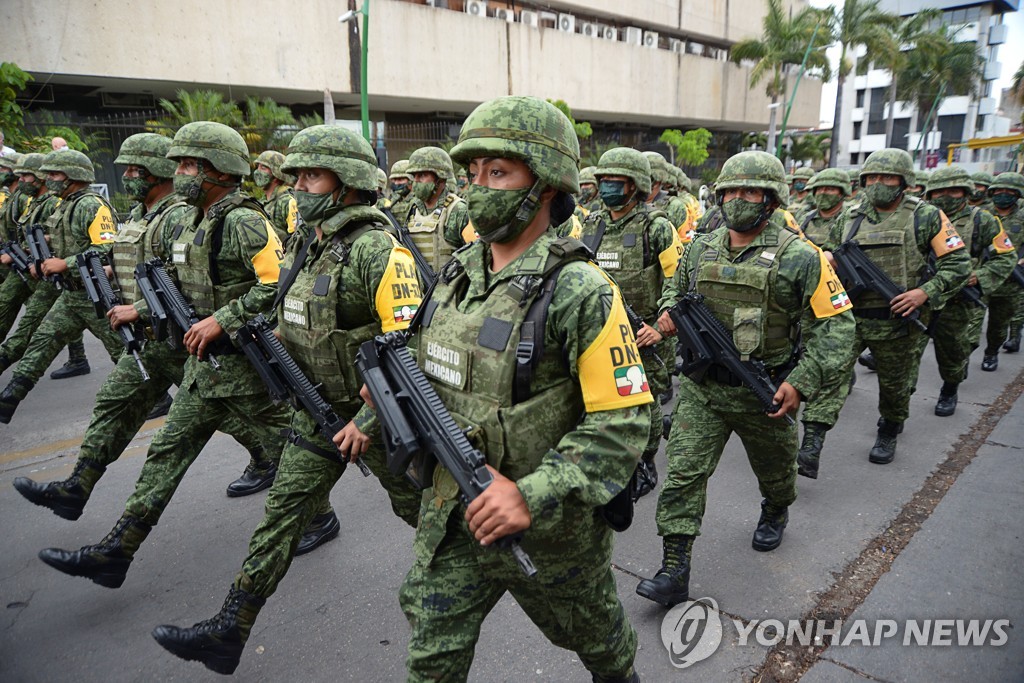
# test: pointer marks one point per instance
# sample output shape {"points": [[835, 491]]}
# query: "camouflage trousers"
{"points": [[1005, 316], [37, 305], [14, 292], [70, 314], [957, 332], [660, 381], [825, 406], [125, 399], [897, 348], [189, 426], [300, 492], [704, 419], [453, 586]]}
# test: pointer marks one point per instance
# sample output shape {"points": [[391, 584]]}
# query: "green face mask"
{"points": [[58, 187], [881, 195], [31, 188], [799, 186], [190, 187], [137, 188], [827, 202], [1004, 200], [978, 196], [317, 208], [948, 205], [261, 178], [423, 191], [400, 190], [7, 177], [502, 215], [613, 194], [743, 216], [587, 194]]}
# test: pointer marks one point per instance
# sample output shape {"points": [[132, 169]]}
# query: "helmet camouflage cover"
{"points": [[890, 161], [660, 172], [148, 150], [274, 160], [754, 169], [587, 175], [10, 161], [950, 177], [216, 143], [382, 179], [71, 163], [982, 178], [399, 170], [805, 172], [922, 178], [432, 159], [30, 163], [344, 152], [831, 177], [628, 162], [528, 129], [1008, 181]]}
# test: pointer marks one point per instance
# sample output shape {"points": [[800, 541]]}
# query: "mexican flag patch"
{"points": [[404, 313], [631, 379], [839, 300]]}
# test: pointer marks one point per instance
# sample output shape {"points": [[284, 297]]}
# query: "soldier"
{"points": [[958, 329], [277, 200], [400, 183], [227, 260], [979, 195], [659, 199], [589, 199], [827, 190], [902, 235], [1006, 302], [919, 185], [688, 229], [8, 178], [800, 200], [14, 291], [125, 398], [639, 247], [83, 221], [437, 220], [322, 329]]}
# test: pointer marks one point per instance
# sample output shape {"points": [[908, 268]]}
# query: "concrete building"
{"points": [[865, 98]]}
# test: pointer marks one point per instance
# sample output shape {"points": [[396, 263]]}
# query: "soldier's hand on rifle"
{"points": [[351, 442], [647, 336], [972, 280], [788, 400], [6, 260], [33, 271], [364, 394], [498, 512], [54, 266], [110, 272], [665, 324], [908, 302], [830, 258], [201, 335], [122, 315]]}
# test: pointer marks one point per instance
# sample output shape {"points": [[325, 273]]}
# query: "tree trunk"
{"points": [[771, 125], [837, 120], [890, 122]]}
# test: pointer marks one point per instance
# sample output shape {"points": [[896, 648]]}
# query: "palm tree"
{"points": [[860, 22], [199, 105], [1018, 84], [910, 32], [268, 125], [812, 148], [783, 44]]}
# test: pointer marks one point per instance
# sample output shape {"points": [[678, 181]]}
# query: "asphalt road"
{"points": [[336, 615]]}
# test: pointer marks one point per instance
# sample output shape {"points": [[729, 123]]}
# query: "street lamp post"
{"points": [[364, 95]]}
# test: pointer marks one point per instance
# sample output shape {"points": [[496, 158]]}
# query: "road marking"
{"points": [[66, 444]]}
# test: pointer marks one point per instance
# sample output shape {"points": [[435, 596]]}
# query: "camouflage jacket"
{"points": [[992, 252], [458, 217], [281, 210]]}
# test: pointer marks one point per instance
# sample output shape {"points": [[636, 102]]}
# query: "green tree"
{"points": [[690, 148], [268, 125], [197, 105], [38, 135], [783, 43], [12, 81], [857, 22], [583, 129], [909, 32], [811, 148]]}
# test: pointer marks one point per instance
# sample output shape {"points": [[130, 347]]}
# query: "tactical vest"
{"points": [[741, 294], [194, 256], [892, 246], [427, 232], [62, 242], [1013, 224], [628, 258], [816, 231], [473, 358], [135, 243], [310, 323], [971, 238]]}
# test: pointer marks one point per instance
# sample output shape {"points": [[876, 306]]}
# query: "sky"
{"points": [[1011, 54]]}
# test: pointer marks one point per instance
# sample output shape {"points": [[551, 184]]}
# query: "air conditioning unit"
{"points": [[505, 14], [439, 4], [529, 18], [650, 39], [695, 48], [590, 30], [676, 45], [478, 8], [567, 23], [634, 35], [610, 33]]}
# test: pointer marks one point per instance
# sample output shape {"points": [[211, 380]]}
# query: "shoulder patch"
{"points": [[829, 297], [948, 239], [398, 292], [102, 228]]}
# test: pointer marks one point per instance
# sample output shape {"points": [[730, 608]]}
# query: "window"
{"points": [[876, 111], [860, 98], [857, 130], [900, 129]]}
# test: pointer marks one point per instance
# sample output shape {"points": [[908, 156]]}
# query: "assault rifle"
{"points": [[20, 261], [859, 273], [704, 342], [167, 304], [419, 431], [286, 382], [39, 248], [405, 237], [103, 297], [971, 294]]}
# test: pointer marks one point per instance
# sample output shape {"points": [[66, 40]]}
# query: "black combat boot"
{"points": [[66, 498], [646, 478], [666, 426], [217, 642], [634, 678], [768, 534], [947, 400], [5, 362], [107, 562], [884, 449], [868, 360], [990, 363], [258, 475], [12, 395], [162, 407], [324, 527], [1011, 345], [671, 584], [72, 368], [810, 449]]}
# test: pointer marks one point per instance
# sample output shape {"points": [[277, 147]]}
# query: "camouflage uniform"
{"points": [[589, 198], [671, 205], [280, 204], [436, 232], [980, 198], [570, 446], [901, 242], [801, 200], [83, 221], [766, 303], [1006, 302], [14, 291], [401, 195]]}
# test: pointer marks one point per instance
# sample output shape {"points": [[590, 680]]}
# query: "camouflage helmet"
{"points": [[683, 180], [10, 161], [831, 177], [342, 151], [789, 178], [754, 168], [148, 150], [71, 163], [982, 178], [921, 178], [660, 172], [399, 170], [528, 129], [587, 176], [431, 159], [805, 172], [274, 160], [950, 177], [1008, 181], [889, 161], [382, 179], [628, 162], [30, 163], [221, 145]]}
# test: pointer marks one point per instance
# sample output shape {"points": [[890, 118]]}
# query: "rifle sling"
{"points": [[305, 444]]}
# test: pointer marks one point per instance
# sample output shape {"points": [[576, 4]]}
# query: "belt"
{"points": [[722, 375], [873, 313]]}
